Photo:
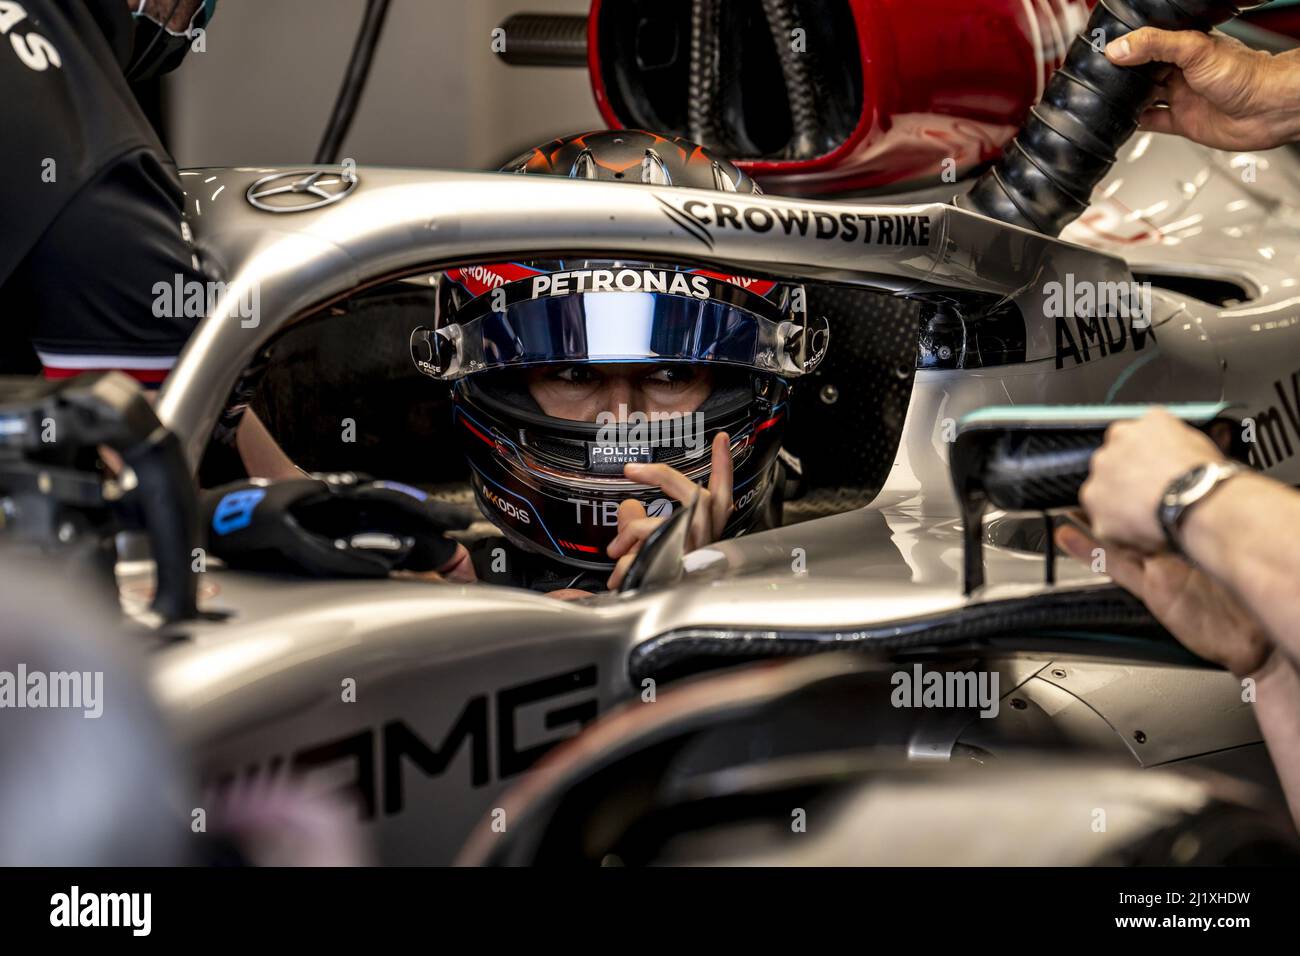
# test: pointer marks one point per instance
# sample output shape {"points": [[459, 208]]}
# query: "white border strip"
{"points": [[139, 362]]}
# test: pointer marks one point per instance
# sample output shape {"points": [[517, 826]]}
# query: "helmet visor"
{"points": [[608, 315]]}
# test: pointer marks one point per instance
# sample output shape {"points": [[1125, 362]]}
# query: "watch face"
{"points": [[1183, 492], [1185, 483]]}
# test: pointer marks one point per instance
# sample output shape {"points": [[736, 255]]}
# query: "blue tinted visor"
{"points": [[717, 323]]}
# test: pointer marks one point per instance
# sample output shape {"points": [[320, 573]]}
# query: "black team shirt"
{"points": [[90, 202]]}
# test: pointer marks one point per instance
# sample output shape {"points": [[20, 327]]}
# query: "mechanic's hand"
{"points": [[1203, 615], [711, 514], [1223, 94], [1130, 472]]}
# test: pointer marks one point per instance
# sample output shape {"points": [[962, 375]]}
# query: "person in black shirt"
{"points": [[90, 202]]}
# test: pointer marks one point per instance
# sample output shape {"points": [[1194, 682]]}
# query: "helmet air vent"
{"points": [[654, 171]]}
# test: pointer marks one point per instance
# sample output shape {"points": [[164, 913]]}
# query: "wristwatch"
{"points": [[1187, 489]]}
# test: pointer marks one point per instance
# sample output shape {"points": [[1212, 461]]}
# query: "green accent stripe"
{"points": [[1087, 414]]}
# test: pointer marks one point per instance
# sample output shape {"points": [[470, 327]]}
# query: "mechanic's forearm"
{"points": [[1247, 536], [1277, 710], [1284, 118], [262, 456]]}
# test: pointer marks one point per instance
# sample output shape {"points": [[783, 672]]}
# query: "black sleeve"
{"points": [[113, 282]]}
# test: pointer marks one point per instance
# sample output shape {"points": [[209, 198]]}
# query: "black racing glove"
{"points": [[324, 529]]}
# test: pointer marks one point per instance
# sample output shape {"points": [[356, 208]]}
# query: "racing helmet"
{"points": [[553, 484]]}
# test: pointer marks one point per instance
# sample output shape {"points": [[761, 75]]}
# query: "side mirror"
{"points": [[1035, 458]]}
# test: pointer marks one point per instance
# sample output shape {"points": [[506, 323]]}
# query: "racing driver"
{"points": [[595, 396]]}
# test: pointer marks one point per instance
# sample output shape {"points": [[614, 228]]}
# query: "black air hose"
{"points": [[800, 90], [705, 71], [1090, 108], [545, 39], [354, 82]]}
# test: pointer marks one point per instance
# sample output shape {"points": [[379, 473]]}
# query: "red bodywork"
{"points": [[1283, 20], [941, 80]]}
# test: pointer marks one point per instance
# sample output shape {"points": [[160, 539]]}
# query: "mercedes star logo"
{"points": [[300, 191]]}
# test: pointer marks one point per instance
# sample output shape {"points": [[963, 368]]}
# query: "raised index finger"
{"points": [[721, 482], [672, 481]]}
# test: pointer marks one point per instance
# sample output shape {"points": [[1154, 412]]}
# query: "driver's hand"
{"points": [[1205, 617], [459, 569], [711, 514]]}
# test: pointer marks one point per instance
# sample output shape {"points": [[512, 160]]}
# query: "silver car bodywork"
{"points": [[459, 689]]}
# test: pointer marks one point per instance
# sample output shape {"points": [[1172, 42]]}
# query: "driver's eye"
{"points": [[676, 375], [575, 375]]}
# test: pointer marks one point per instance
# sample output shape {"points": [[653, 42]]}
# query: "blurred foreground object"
{"points": [[94, 782], [57, 500], [767, 766]]}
